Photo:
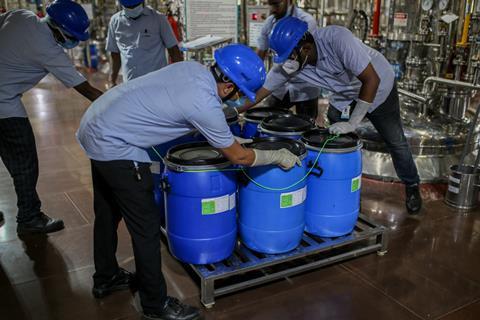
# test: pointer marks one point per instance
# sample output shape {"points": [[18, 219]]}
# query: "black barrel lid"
{"points": [[277, 143], [195, 154], [317, 137], [287, 123], [230, 114], [262, 112]]}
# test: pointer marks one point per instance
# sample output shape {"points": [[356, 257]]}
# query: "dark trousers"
{"points": [[307, 108], [119, 194], [19, 154], [386, 119]]}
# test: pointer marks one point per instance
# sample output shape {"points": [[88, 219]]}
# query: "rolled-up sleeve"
{"points": [[166, 32], [276, 78], [111, 43], [57, 62], [350, 50]]}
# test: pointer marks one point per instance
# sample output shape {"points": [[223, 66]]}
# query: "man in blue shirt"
{"points": [[30, 48], [150, 110], [362, 83], [296, 92], [137, 39]]}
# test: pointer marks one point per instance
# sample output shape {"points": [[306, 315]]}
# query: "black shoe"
{"points": [[40, 224], [2, 219], [173, 309], [413, 199], [123, 280]]}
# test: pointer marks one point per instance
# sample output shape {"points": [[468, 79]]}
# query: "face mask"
{"points": [[292, 66], [133, 12], [69, 44], [236, 103]]}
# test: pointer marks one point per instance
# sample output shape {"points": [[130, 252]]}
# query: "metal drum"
{"points": [[200, 202], [463, 187], [333, 204], [272, 220], [285, 125], [253, 117]]}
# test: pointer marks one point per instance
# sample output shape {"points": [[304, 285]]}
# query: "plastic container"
{"points": [[290, 126], [253, 117], [200, 202], [333, 204], [273, 221]]}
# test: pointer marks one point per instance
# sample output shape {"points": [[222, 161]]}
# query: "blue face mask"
{"points": [[70, 44], [133, 12], [237, 103]]}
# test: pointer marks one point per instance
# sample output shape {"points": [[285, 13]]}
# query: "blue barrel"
{"points": [[290, 126], [333, 204], [157, 167], [273, 221], [253, 117], [200, 202]]}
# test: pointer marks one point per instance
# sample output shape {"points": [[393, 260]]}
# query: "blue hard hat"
{"points": [[243, 66], [70, 17], [130, 3], [285, 37]]}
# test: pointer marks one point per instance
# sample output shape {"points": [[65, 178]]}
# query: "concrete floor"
{"points": [[430, 272]]}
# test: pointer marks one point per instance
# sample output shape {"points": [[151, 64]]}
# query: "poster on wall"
{"points": [[211, 17]]}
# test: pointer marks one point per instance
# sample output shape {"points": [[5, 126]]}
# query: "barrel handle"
{"points": [[320, 170], [164, 185]]}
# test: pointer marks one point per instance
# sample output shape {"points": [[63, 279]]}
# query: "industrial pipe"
{"points": [[451, 83], [412, 95]]}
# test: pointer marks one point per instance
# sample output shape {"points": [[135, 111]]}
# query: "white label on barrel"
{"points": [[218, 205], [292, 199], [453, 179], [453, 189], [356, 184], [155, 168]]}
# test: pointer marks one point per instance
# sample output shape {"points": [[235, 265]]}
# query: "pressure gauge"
{"points": [[443, 4], [427, 4]]}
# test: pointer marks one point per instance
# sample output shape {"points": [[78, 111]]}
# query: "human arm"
{"points": [[116, 63], [175, 53], [89, 92]]}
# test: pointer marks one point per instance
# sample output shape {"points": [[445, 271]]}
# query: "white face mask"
{"points": [[134, 12], [292, 66]]}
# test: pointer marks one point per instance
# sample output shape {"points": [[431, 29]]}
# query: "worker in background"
{"points": [[153, 109], [137, 38], [296, 91], [361, 80], [30, 48]]}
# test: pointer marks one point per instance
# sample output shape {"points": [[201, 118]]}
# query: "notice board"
{"points": [[215, 17]]}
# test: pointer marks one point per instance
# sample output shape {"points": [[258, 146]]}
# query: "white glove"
{"points": [[361, 109], [283, 158], [242, 140]]}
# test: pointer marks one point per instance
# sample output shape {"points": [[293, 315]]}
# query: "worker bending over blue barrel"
{"points": [[361, 80], [31, 48], [144, 112]]}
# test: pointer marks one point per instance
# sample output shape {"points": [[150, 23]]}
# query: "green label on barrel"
{"points": [[218, 205], [208, 207], [356, 184], [292, 199], [286, 200]]}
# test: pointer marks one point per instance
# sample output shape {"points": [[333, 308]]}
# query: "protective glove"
{"points": [[242, 140], [283, 158], [361, 109]]}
